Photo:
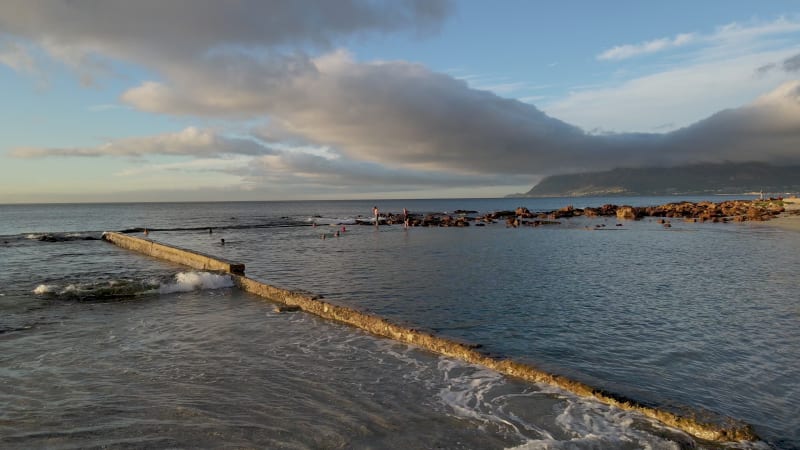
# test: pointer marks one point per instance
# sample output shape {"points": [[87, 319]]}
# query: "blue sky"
{"points": [[138, 101]]}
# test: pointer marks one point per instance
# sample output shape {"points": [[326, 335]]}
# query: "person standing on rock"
{"points": [[376, 213], [405, 217]]}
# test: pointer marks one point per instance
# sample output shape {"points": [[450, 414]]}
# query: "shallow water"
{"points": [[700, 316], [218, 367]]}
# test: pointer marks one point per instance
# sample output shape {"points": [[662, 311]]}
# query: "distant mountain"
{"points": [[698, 179]]}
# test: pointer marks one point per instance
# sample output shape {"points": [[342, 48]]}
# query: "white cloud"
{"points": [[681, 95], [736, 32], [734, 36], [657, 45], [194, 165], [722, 69], [190, 141], [17, 56]]}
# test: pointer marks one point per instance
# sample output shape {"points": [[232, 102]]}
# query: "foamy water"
{"points": [[115, 289], [191, 281]]}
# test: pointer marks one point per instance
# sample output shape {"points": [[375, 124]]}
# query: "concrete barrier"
{"points": [[178, 255], [710, 430]]}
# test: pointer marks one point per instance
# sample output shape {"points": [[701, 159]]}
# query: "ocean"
{"points": [[101, 347]]}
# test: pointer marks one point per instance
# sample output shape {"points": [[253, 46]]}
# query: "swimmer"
{"points": [[222, 242]]}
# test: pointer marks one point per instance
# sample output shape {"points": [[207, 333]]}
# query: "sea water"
{"points": [[103, 347]]}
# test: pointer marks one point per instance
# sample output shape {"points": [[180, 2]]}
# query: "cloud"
{"points": [[765, 130], [731, 35], [189, 142], [16, 56], [789, 65], [391, 125], [768, 129], [194, 165], [657, 45], [681, 95], [152, 32], [721, 69], [506, 143], [765, 69], [304, 169], [390, 112], [792, 64]]}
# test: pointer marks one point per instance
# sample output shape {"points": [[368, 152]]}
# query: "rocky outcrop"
{"points": [[730, 210], [727, 211]]}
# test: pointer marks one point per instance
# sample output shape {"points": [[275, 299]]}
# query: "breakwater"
{"points": [[195, 260], [700, 427]]}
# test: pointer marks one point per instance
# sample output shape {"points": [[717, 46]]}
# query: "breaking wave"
{"points": [[63, 237], [196, 281], [118, 289]]}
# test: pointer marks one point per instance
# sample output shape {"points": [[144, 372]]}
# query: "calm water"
{"points": [[100, 346]]}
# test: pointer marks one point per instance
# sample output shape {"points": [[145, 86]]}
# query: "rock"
{"points": [[523, 212], [626, 212]]}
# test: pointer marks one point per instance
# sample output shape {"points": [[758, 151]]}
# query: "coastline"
{"points": [[789, 220]]}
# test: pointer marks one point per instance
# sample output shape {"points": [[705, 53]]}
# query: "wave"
{"points": [[318, 220], [196, 281], [541, 416], [119, 289], [63, 237]]}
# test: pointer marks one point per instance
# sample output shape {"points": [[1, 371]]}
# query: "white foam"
{"points": [[69, 289], [331, 220], [44, 289], [591, 424], [193, 281], [483, 396], [468, 393]]}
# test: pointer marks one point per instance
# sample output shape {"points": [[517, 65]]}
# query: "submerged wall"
{"points": [[178, 255], [697, 426]]}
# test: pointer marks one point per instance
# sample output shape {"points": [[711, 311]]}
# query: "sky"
{"points": [[208, 100]]}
